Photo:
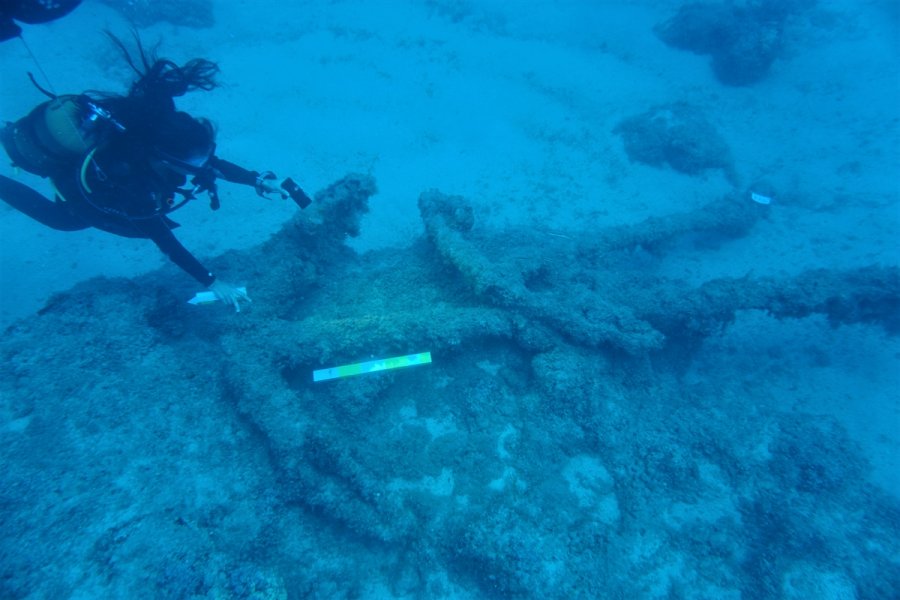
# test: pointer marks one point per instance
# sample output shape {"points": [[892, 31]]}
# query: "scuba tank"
{"points": [[56, 134]]}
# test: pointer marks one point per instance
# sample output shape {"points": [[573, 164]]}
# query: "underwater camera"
{"points": [[296, 194]]}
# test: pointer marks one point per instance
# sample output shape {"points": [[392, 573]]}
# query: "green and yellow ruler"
{"points": [[372, 366]]}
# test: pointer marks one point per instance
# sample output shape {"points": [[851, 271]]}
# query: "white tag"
{"points": [[209, 297], [760, 199]]}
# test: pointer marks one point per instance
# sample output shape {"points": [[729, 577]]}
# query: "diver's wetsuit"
{"points": [[120, 200]]}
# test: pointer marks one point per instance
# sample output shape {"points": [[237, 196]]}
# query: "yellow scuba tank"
{"points": [[55, 134]]}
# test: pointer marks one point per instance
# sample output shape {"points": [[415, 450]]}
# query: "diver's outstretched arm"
{"points": [[264, 183], [232, 172], [157, 230]]}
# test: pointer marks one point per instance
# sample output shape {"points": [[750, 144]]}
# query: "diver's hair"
{"points": [[163, 78], [149, 106]]}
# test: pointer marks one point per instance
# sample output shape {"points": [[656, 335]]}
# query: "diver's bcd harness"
{"points": [[66, 131], [154, 203]]}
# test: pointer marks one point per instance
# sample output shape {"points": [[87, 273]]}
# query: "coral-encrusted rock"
{"points": [[743, 41], [677, 135]]}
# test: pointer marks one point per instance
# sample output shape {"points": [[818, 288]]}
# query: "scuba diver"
{"points": [[31, 12], [122, 164]]}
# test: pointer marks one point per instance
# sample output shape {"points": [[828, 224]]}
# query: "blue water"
{"points": [[650, 246]]}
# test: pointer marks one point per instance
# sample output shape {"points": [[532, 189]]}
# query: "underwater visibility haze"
{"points": [[591, 300]]}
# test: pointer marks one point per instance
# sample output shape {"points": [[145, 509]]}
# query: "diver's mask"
{"points": [[191, 163]]}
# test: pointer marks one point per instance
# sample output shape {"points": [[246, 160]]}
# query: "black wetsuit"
{"points": [[120, 196]]}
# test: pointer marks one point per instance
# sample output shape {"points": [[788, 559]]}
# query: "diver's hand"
{"points": [[268, 183], [272, 186], [229, 294]]}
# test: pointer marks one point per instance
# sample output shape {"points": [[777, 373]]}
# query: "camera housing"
{"points": [[296, 194]]}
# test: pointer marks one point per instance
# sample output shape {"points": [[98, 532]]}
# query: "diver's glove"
{"points": [[229, 294], [267, 183]]}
